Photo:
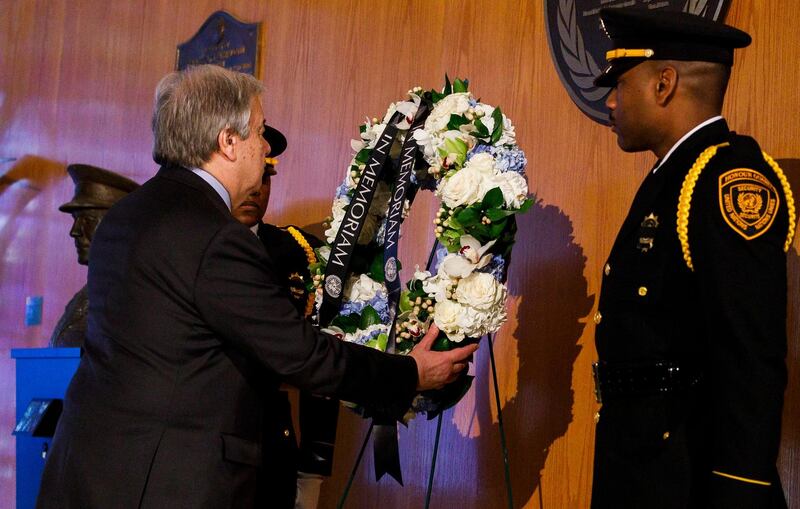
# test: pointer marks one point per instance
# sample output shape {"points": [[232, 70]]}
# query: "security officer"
{"points": [[291, 476], [691, 323], [96, 190]]}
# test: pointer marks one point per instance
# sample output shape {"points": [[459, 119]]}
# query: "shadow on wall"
{"points": [[789, 460], [549, 300]]}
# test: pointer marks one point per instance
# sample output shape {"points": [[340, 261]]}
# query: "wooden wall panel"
{"points": [[76, 86]]}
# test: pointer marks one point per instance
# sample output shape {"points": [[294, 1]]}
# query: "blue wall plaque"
{"points": [[225, 41]]}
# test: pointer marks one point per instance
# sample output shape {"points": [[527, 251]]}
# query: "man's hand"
{"points": [[436, 369]]}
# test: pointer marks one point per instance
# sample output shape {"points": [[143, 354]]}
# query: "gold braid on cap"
{"points": [[787, 190], [310, 257], [685, 200]]}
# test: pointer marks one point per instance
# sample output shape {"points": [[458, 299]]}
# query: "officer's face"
{"points": [[252, 209], [84, 224], [631, 108]]}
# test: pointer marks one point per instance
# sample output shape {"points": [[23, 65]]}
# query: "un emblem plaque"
{"points": [[578, 45]]}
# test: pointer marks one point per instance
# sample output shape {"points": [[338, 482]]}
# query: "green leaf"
{"points": [[442, 344], [495, 229], [525, 206], [497, 214], [493, 199], [405, 302], [468, 217], [456, 121], [497, 132], [378, 343], [369, 317], [362, 128], [459, 86], [363, 155], [436, 96], [481, 131], [376, 268], [348, 323], [448, 89]]}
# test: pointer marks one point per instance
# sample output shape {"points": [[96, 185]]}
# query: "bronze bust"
{"points": [[96, 190]]}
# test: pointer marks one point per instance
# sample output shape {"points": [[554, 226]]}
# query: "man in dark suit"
{"points": [[186, 321], [691, 323], [290, 476]]}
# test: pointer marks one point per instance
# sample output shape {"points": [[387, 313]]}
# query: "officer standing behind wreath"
{"points": [[186, 318], [290, 476], [691, 324]]}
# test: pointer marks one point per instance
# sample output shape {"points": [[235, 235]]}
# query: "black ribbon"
{"points": [[346, 238], [385, 448], [403, 187]]}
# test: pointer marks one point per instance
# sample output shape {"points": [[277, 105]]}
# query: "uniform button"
{"points": [[642, 291], [598, 318], [666, 435], [286, 433], [596, 417], [607, 269]]}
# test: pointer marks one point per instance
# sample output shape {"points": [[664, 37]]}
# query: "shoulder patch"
{"points": [[748, 202]]}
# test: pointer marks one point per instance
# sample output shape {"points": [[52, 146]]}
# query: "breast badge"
{"points": [[748, 202], [647, 233]]}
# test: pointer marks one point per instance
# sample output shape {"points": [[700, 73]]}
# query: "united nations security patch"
{"points": [[748, 201]]}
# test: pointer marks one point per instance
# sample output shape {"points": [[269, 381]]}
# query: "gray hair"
{"points": [[193, 106]]}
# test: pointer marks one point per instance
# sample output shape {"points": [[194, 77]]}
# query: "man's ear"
{"points": [[228, 142], [666, 85]]}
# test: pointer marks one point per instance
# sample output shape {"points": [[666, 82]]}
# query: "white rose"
{"points": [[465, 187], [446, 316], [362, 288], [483, 163], [457, 104], [480, 291], [513, 186]]}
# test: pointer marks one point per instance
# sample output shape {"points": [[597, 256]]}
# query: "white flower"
{"points": [[334, 331], [339, 210], [483, 162], [465, 187], [509, 136], [471, 256], [437, 285], [362, 289], [453, 104], [372, 133], [446, 316], [324, 252], [421, 275], [481, 291], [409, 109], [513, 186], [362, 336]]}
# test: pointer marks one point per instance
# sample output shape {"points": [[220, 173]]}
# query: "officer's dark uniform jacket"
{"points": [[694, 360], [318, 416]]}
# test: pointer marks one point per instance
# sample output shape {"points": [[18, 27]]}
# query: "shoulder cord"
{"points": [[310, 257], [685, 200]]}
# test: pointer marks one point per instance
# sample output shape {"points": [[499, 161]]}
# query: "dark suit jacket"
{"points": [[726, 320], [186, 325]]}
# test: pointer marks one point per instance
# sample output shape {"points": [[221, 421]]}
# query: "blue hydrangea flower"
{"points": [[509, 159]]}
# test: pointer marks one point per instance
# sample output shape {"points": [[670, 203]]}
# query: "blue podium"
{"points": [[42, 374]]}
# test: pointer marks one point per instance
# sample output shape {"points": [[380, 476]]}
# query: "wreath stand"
{"points": [[429, 490]]}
